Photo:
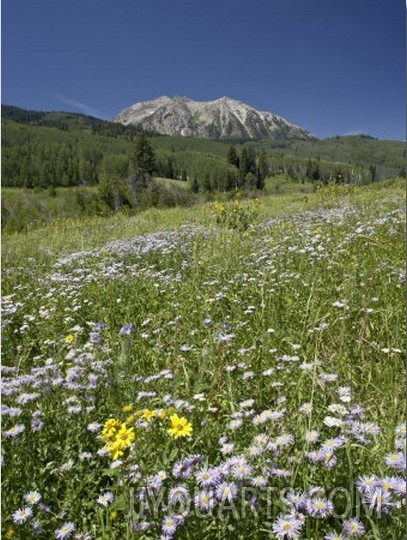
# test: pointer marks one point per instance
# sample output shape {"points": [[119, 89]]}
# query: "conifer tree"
{"points": [[262, 169], [232, 156], [143, 161]]}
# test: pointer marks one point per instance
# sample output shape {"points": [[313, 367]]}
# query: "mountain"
{"points": [[223, 118]]}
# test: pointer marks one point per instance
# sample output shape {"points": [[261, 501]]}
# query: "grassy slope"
{"points": [[317, 280], [82, 233]]}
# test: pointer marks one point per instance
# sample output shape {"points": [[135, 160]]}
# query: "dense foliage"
{"points": [[65, 149]]}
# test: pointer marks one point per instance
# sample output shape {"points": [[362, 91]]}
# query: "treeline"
{"points": [[42, 150], [42, 156], [321, 171], [67, 121]]}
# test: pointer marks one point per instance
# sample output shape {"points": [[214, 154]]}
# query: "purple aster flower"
{"points": [[285, 439], [15, 431], [105, 499], [36, 528], [311, 436], [126, 329], [94, 427], [235, 423], [280, 473], [169, 525], [334, 536], [306, 408], [369, 428], [154, 483], [194, 459], [400, 430], [396, 461], [204, 500], [178, 494], [37, 424], [366, 482], [255, 450], [399, 486], [227, 448], [328, 377], [67, 466], [32, 497], [10, 411], [332, 444], [386, 483], [182, 469], [44, 507], [241, 470], [98, 326], [319, 507], [287, 527], [226, 491], [378, 499], [21, 515], [207, 477], [65, 531], [297, 500], [94, 337], [259, 481], [353, 527]]}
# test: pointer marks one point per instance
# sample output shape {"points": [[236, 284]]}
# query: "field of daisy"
{"points": [[235, 371]]}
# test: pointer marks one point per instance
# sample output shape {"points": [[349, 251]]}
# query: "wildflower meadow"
{"points": [[239, 374]]}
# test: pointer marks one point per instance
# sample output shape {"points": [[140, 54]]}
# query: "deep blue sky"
{"points": [[330, 66]]}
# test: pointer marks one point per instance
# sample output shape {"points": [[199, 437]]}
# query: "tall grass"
{"points": [[177, 374]]}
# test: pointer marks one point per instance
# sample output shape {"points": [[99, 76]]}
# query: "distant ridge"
{"points": [[223, 118]]}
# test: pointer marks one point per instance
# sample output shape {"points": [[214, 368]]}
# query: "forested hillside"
{"points": [[54, 149]]}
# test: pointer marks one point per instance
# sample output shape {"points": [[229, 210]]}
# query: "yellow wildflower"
{"points": [[179, 427], [148, 414], [69, 338], [127, 408], [116, 449], [125, 435], [110, 428]]}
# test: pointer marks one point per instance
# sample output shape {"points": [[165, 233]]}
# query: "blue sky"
{"points": [[334, 67]]}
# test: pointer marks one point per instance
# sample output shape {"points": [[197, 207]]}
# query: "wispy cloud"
{"points": [[83, 107]]}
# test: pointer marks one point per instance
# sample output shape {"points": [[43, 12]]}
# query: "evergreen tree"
{"points": [[251, 160], [262, 169], [170, 167], [194, 185], [244, 165], [232, 156], [143, 161]]}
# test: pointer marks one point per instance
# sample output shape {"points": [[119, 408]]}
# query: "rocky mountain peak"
{"points": [[223, 118]]}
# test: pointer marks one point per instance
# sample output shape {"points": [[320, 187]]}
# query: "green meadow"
{"points": [[230, 369]]}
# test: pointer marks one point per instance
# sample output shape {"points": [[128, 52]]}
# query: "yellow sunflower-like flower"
{"points": [[116, 449], [179, 427], [125, 435], [110, 428]]}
